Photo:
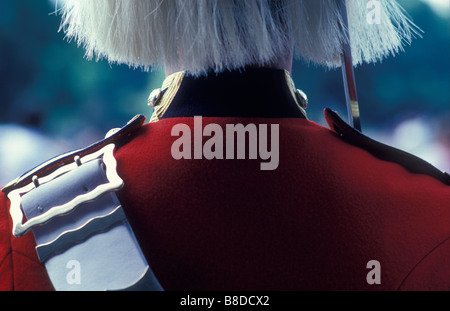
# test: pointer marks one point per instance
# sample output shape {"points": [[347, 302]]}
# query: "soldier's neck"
{"points": [[284, 62]]}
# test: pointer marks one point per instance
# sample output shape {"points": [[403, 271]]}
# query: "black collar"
{"points": [[266, 93]]}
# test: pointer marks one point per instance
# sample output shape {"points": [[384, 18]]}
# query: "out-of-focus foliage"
{"points": [[46, 85]]}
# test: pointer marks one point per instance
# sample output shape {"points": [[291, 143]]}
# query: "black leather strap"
{"points": [[384, 152]]}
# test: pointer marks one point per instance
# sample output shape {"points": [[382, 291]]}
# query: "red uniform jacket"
{"points": [[335, 202]]}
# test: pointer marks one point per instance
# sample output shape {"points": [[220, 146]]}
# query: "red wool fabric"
{"points": [[312, 224]]}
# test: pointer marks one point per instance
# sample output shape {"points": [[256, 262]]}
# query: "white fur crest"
{"points": [[202, 35]]}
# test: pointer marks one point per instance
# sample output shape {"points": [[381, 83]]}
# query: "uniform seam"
{"points": [[10, 252], [5, 257], [12, 260], [25, 256], [420, 261]]}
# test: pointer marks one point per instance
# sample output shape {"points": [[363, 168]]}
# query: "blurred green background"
{"points": [[54, 100]]}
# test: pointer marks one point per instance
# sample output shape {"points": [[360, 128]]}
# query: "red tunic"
{"points": [[311, 224]]}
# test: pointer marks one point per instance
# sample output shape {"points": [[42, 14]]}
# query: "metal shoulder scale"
{"points": [[81, 231]]}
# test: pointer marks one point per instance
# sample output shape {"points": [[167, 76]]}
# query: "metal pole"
{"points": [[348, 74]]}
